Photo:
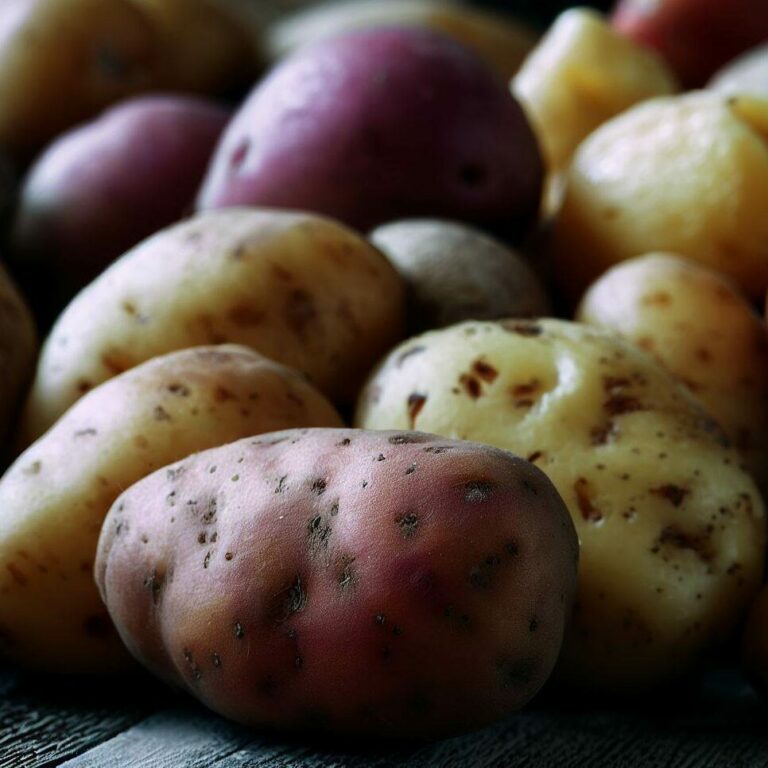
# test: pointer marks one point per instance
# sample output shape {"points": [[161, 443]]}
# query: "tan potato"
{"points": [[54, 498], [62, 62], [298, 288], [672, 529], [755, 643], [501, 41], [454, 272], [580, 75], [18, 344], [701, 328], [686, 175]]}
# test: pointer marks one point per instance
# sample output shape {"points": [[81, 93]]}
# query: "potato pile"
{"points": [[393, 364]]}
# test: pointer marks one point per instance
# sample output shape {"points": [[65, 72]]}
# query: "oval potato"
{"points": [[54, 498], [672, 529]]}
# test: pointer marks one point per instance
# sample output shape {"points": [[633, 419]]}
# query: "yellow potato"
{"points": [[62, 62], [672, 530], [580, 75], [298, 288], [755, 643], [701, 328], [686, 174], [501, 41], [17, 352], [54, 498]]}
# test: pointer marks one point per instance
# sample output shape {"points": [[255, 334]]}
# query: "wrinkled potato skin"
{"points": [[581, 75], [755, 643], [54, 498], [298, 288], [640, 184], [391, 584], [672, 530], [18, 345], [502, 42], [62, 62], [453, 272], [701, 328]]}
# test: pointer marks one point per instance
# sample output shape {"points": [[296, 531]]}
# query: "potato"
{"points": [[392, 584], [299, 288], [62, 62], [18, 345], [672, 529], [686, 174], [377, 125], [502, 41], [755, 643], [696, 37], [580, 75], [745, 75], [453, 272], [54, 498], [701, 328]]}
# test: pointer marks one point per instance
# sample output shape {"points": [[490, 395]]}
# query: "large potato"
{"points": [[394, 584], [54, 498], [746, 75], [755, 643], [17, 353], [377, 125], [702, 329], [672, 529], [299, 288], [503, 42], [453, 272], [580, 75], [686, 174]]}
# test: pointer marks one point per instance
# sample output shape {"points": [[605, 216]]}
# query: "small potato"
{"points": [[453, 272], [390, 584], [745, 76], [579, 76], [298, 288], [701, 328], [672, 529], [502, 41], [755, 643], [685, 175], [54, 498], [18, 344]]}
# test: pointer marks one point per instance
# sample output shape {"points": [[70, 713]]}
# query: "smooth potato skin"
{"points": [[672, 529], [755, 643], [54, 498], [388, 584], [299, 288], [377, 125]]}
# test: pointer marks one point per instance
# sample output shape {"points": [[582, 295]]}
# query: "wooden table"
{"points": [[138, 724]]}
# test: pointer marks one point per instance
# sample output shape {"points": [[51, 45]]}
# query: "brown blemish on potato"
{"points": [[416, 402], [238, 630], [347, 578], [380, 457], [202, 538], [344, 443], [514, 673], [88, 432], [209, 516], [535, 456], [477, 491], [619, 401], [674, 494], [16, 574], [604, 434], [83, 386], [216, 660], [174, 473], [300, 312], [408, 523], [98, 626], [412, 352], [245, 316], [207, 559], [319, 485], [674, 536], [318, 534], [404, 439], [222, 394], [140, 441], [483, 575], [657, 299], [293, 600], [471, 385], [485, 371], [160, 414], [437, 449], [194, 669], [32, 469], [115, 362], [522, 327], [411, 469], [280, 487], [583, 491], [155, 583]]}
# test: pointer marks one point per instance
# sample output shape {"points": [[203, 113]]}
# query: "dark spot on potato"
{"points": [[404, 439], [293, 600], [280, 487], [674, 494], [471, 386], [174, 473], [234, 478], [83, 386], [533, 624], [98, 626], [207, 559], [318, 534], [300, 312], [380, 457], [180, 390], [319, 485], [228, 556], [584, 494], [698, 543], [209, 516], [216, 660], [408, 524], [437, 449], [535, 456], [16, 574], [477, 491], [380, 619], [514, 673], [416, 402], [222, 394], [485, 371], [239, 631], [88, 432], [411, 469], [347, 578], [618, 401], [239, 154], [202, 538], [483, 574], [160, 414], [412, 352], [33, 468], [658, 299], [512, 548], [155, 583], [194, 669], [522, 327], [214, 536], [245, 316], [343, 443], [604, 434]]}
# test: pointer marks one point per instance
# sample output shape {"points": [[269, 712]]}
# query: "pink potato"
{"points": [[377, 125], [384, 583], [106, 185]]}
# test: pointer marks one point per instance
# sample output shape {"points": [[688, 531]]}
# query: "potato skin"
{"points": [[453, 272], [391, 584], [755, 643], [700, 327], [54, 498], [346, 127], [299, 288], [639, 184], [672, 530]]}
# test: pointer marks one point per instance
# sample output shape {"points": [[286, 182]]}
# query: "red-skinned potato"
{"points": [[391, 584], [696, 37], [377, 125], [103, 187]]}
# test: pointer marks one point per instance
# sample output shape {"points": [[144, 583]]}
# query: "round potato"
{"points": [[701, 328], [641, 183], [392, 584], [298, 288], [54, 498], [745, 76], [18, 345], [453, 272], [500, 40], [672, 529], [755, 643]]}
